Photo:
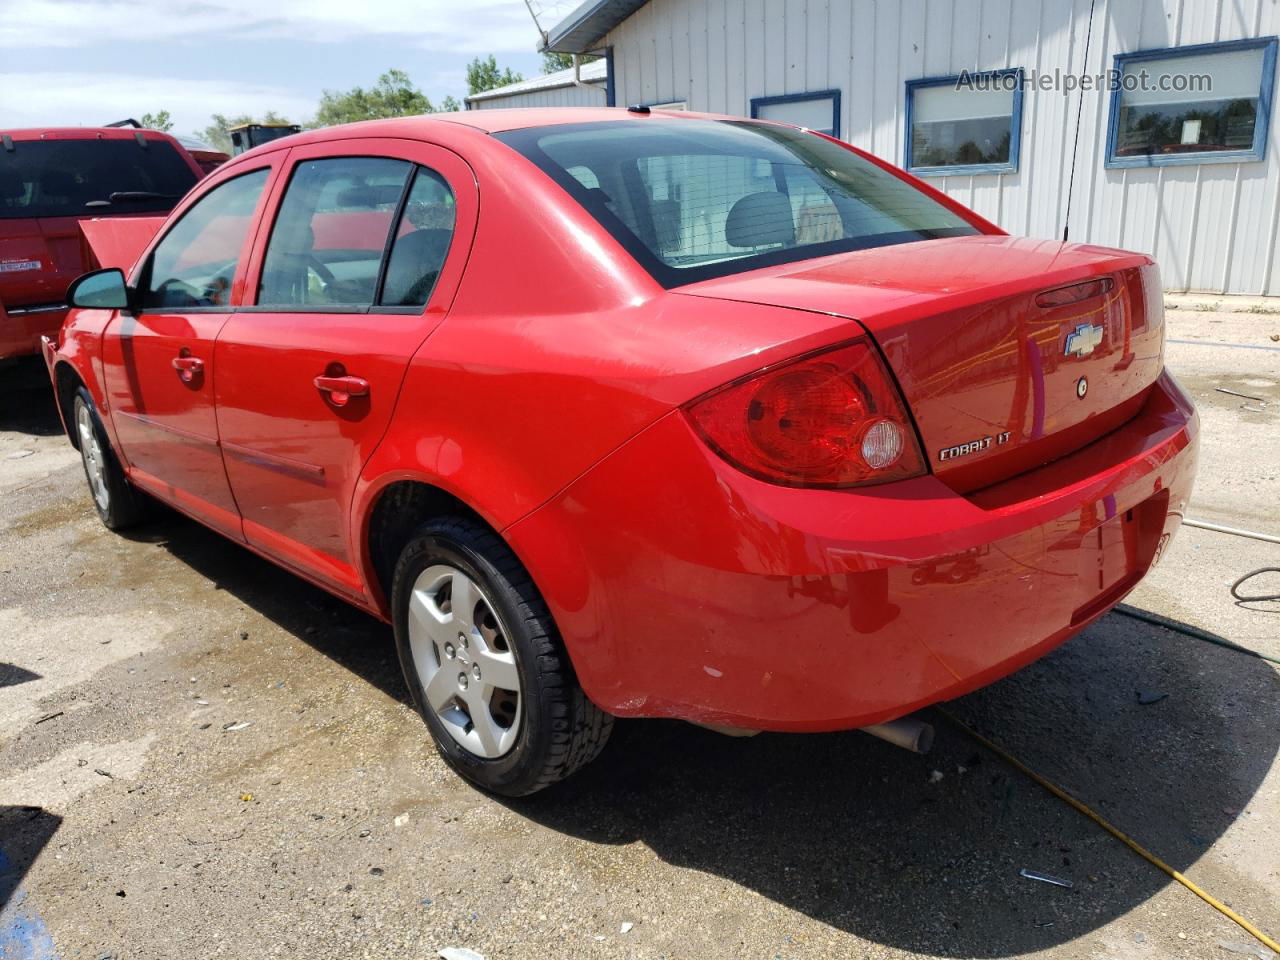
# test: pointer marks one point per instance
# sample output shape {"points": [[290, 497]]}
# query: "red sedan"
{"points": [[616, 413]]}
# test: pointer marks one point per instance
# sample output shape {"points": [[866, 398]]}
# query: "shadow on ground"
{"points": [[11, 675], [26, 398], [25, 831], [349, 637], [867, 838]]}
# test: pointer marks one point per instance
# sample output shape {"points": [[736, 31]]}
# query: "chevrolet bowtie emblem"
{"points": [[1083, 340]]}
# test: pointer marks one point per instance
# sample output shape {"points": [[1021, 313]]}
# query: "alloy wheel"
{"points": [[465, 662], [92, 453]]}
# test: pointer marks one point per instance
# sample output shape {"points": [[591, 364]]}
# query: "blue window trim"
{"points": [[1259, 149], [610, 92], [832, 95], [965, 169]]}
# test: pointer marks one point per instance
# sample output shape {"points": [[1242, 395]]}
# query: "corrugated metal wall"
{"points": [[576, 96], [1211, 226]]}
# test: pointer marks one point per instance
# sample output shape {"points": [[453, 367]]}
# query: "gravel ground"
{"points": [[200, 755]]}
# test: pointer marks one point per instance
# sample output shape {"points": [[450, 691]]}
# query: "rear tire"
{"points": [[461, 666], [117, 502]]}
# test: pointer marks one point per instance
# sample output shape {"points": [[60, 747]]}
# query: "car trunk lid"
{"points": [[1010, 352]]}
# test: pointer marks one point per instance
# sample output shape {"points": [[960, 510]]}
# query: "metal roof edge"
{"points": [[583, 29]]}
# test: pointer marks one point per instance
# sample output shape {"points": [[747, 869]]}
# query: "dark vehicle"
{"points": [[208, 158], [50, 181], [250, 135]]}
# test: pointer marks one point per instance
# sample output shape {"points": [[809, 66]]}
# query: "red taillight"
{"points": [[830, 419]]}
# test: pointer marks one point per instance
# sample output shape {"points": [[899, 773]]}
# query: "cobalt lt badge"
{"points": [[1083, 340]]}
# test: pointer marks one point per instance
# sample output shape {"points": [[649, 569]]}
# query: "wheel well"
{"points": [[401, 508], [68, 381]]}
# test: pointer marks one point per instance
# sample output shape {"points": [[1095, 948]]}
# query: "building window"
{"points": [[1200, 104], [818, 111], [971, 123]]}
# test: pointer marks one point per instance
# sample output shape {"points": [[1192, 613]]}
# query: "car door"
{"points": [[368, 242], [158, 361]]}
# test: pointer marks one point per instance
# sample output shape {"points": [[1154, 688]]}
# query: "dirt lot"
{"points": [[201, 756]]}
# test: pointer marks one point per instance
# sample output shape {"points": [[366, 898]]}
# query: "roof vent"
{"points": [[639, 108]]}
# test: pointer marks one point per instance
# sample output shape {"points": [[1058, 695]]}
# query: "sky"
{"points": [[89, 62]]}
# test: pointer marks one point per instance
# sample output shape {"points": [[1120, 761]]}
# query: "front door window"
{"points": [[194, 264]]}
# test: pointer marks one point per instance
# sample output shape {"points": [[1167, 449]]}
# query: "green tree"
{"points": [[394, 95], [551, 62], [484, 75], [157, 121], [218, 133]]}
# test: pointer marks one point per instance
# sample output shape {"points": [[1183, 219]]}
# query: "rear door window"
{"points": [[329, 239], [195, 264], [78, 178]]}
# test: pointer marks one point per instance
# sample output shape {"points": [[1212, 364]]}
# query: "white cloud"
{"points": [[92, 99], [476, 26]]}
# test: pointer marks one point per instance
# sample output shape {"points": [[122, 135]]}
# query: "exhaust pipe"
{"points": [[905, 732]]}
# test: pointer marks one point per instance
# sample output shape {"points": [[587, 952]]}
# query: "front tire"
{"points": [[117, 502], [485, 665]]}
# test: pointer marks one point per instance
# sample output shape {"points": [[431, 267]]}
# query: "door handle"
{"points": [[188, 367], [342, 389]]}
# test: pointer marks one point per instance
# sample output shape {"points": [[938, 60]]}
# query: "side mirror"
{"points": [[100, 290]]}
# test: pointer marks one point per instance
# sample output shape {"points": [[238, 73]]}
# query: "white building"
{"points": [[588, 88], [1174, 161]]}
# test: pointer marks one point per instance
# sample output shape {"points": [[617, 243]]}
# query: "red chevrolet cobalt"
{"points": [[616, 413]]}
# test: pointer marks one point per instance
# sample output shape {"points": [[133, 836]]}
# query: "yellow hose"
{"points": [[1115, 832]]}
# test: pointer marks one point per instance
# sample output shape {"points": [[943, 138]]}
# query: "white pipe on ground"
{"points": [[1234, 531], [906, 732]]}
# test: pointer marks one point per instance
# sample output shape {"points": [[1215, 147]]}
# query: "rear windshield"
{"points": [[694, 199], [76, 178]]}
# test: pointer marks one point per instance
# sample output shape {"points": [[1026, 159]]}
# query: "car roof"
{"points": [[82, 133], [518, 118], [430, 127], [484, 121]]}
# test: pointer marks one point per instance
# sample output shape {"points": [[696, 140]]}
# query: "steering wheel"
{"points": [[175, 288], [321, 271]]}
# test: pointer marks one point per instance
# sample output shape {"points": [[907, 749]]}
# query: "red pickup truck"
{"points": [[50, 181]]}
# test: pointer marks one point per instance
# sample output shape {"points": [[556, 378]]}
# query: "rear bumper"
{"points": [[20, 332], [684, 588]]}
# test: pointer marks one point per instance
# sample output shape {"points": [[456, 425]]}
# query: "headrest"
{"points": [[760, 219], [415, 264], [424, 242]]}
